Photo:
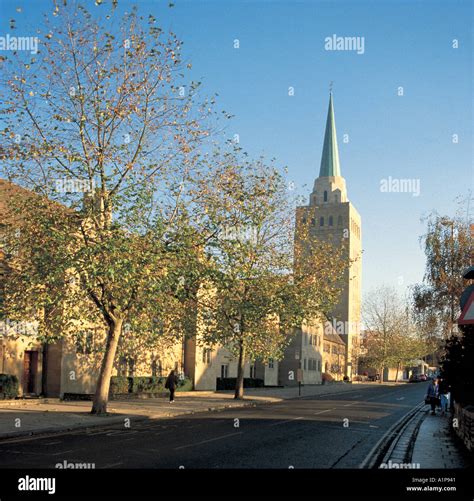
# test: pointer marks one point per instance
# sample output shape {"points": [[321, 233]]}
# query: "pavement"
{"points": [[34, 416], [436, 446], [329, 427]]}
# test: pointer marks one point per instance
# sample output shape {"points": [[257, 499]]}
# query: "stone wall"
{"points": [[465, 421]]}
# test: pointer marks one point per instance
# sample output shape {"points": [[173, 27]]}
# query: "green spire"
{"points": [[330, 158]]}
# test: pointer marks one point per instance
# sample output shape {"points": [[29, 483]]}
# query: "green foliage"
{"points": [[141, 384], [447, 246], [149, 384], [184, 384], [119, 384], [9, 386]]}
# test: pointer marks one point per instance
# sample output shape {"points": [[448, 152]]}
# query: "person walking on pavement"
{"points": [[444, 395], [171, 383], [432, 395]]}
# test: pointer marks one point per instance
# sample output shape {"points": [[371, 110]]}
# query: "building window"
{"points": [[206, 356], [304, 364], [84, 342], [156, 368], [131, 367], [321, 221], [319, 365], [339, 221], [331, 222], [224, 371], [271, 363], [122, 366], [325, 196]]}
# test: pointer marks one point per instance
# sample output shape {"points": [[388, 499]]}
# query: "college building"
{"points": [[317, 351]]}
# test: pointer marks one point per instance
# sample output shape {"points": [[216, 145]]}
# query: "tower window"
{"points": [[321, 221], [331, 222], [339, 221], [325, 196]]}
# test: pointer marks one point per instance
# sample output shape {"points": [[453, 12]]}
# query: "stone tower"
{"points": [[332, 218]]}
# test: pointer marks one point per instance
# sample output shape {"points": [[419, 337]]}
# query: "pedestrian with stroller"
{"points": [[432, 395], [444, 395]]}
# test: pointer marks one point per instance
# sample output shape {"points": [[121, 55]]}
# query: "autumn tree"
{"points": [[447, 246], [392, 338], [104, 122], [255, 294]]}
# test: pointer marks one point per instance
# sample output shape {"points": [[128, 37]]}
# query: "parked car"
{"points": [[417, 378]]}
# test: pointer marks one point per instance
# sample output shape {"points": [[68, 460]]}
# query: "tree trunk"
{"points": [[239, 384], [396, 374], [381, 374], [101, 397]]}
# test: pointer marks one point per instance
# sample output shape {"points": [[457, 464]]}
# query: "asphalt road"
{"points": [[327, 431]]}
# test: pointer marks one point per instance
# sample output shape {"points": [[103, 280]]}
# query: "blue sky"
{"points": [[407, 44]]}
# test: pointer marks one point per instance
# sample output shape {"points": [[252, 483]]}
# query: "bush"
{"points": [[184, 384], [119, 384], [150, 384], [8, 386], [229, 383], [456, 365]]}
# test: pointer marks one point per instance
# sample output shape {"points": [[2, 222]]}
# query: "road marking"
{"points": [[320, 412], [287, 421], [206, 441]]}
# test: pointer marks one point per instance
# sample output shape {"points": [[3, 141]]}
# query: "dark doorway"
{"points": [[30, 369]]}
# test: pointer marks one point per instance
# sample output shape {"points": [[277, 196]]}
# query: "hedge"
{"points": [[229, 383], [184, 384], [8, 386]]}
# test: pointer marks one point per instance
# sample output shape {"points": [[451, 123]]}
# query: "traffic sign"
{"points": [[467, 315]]}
